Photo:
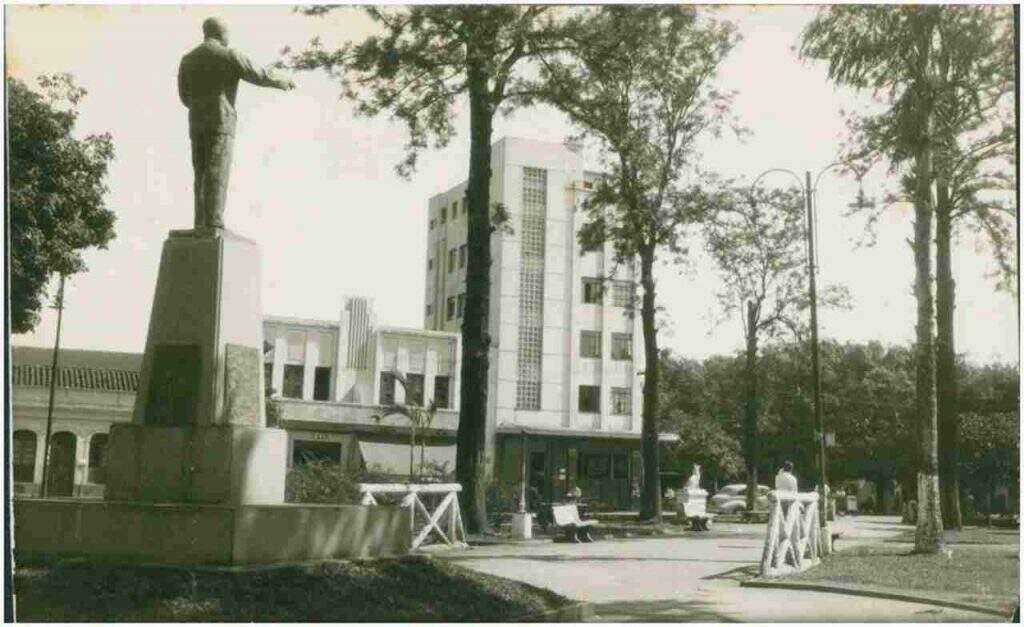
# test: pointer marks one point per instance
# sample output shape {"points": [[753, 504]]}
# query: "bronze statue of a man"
{"points": [[207, 84]]}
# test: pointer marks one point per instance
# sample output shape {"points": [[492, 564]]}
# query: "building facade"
{"points": [[333, 381], [94, 390], [567, 351]]}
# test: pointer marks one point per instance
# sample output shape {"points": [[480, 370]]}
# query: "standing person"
{"points": [[207, 84], [785, 481]]}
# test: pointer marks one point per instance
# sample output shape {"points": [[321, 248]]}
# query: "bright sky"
{"points": [[316, 188]]}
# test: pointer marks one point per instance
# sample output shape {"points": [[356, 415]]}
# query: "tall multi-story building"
{"points": [[566, 356]]}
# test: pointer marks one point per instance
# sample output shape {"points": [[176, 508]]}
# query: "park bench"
{"points": [[696, 511], [567, 517]]}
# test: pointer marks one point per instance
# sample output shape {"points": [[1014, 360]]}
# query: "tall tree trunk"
{"points": [[650, 497], [474, 454], [945, 361], [928, 537], [750, 407]]}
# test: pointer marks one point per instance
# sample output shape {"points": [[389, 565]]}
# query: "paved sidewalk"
{"points": [[694, 578]]}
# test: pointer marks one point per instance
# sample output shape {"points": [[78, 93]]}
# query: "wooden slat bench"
{"points": [[567, 517]]}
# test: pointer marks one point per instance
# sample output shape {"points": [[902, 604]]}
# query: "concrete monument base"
{"points": [[207, 534], [220, 464], [198, 430]]}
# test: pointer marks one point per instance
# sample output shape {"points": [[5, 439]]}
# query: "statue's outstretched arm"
{"points": [[248, 73]]}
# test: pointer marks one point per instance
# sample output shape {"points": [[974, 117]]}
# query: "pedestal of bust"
{"points": [[198, 432]]}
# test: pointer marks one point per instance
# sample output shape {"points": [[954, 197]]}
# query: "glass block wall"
{"points": [[531, 288]]}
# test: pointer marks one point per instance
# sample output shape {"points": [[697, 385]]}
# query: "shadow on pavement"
{"points": [[465, 557], [666, 611], [741, 573]]}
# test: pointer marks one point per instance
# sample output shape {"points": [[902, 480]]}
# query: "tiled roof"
{"points": [[79, 369], [76, 377]]}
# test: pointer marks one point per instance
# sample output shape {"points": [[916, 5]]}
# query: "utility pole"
{"points": [[53, 388], [815, 366]]}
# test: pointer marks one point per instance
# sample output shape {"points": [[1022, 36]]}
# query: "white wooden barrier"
{"points": [[793, 541], [456, 533]]}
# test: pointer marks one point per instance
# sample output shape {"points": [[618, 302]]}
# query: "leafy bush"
{"points": [[435, 472], [502, 497], [321, 481]]}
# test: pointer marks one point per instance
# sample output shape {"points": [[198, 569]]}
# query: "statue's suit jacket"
{"points": [[208, 82]]}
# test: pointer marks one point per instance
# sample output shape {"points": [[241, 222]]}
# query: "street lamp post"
{"points": [[819, 420], [43, 488]]}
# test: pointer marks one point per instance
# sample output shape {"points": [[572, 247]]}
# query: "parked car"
{"points": [[733, 499]]}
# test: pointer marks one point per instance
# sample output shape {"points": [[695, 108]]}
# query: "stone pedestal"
{"points": [[197, 478], [198, 429], [522, 525]]}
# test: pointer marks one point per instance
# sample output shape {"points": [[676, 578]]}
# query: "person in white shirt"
{"points": [[785, 481]]}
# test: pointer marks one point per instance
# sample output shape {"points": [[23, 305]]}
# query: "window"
{"points": [[620, 466], [304, 452], [430, 263], [622, 294], [622, 346], [414, 389], [622, 401], [592, 291], [296, 346], [444, 214], [462, 256], [97, 458], [590, 343], [451, 307], [451, 260], [433, 223], [590, 399], [461, 305], [322, 384], [268, 378], [595, 465], [430, 310], [442, 392], [387, 388], [23, 455], [455, 209], [293, 375]]}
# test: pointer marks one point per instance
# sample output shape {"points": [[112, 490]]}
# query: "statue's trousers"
{"points": [[211, 161]]}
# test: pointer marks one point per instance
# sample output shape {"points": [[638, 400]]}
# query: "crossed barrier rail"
{"points": [[446, 511], [793, 540]]}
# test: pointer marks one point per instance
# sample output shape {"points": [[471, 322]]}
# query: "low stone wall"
{"points": [[207, 534]]}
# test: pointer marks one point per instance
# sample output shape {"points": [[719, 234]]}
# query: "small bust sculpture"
{"points": [[693, 483]]}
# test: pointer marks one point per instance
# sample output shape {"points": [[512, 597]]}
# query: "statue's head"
{"points": [[213, 28], [787, 466], [696, 469]]}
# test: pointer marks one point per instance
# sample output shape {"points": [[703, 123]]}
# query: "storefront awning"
{"points": [[582, 433], [393, 458]]}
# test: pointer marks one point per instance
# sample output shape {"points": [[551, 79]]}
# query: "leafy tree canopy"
{"points": [[56, 188]]}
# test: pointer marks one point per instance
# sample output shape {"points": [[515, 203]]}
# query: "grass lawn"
{"points": [[398, 590], [970, 535], [982, 568]]}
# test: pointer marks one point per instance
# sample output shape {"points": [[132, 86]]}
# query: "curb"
{"points": [[866, 592], [579, 612]]}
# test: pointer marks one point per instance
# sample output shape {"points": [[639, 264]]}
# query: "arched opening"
{"points": [[98, 458], [23, 455], [62, 464]]}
